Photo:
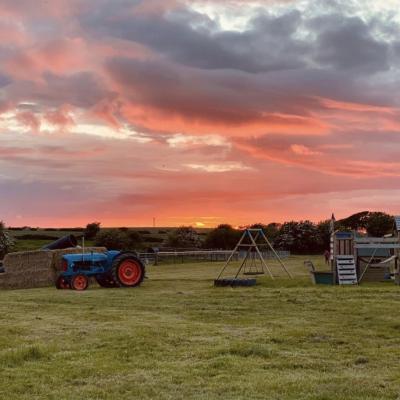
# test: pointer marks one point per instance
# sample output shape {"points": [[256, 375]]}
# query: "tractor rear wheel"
{"points": [[79, 282], [128, 270], [62, 283], [106, 281]]}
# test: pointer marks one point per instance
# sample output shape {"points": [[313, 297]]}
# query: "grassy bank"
{"points": [[177, 337]]}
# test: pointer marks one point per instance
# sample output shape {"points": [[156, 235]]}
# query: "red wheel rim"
{"points": [[129, 272], [80, 282]]}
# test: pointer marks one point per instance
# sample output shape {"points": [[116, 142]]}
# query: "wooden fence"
{"points": [[174, 257]]}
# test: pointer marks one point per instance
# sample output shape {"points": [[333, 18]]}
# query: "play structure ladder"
{"points": [[346, 270]]}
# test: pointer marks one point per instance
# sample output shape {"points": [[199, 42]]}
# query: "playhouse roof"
{"points": [[397, 222]]}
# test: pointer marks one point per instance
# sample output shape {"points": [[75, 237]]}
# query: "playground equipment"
{"points": [[110, 269], [319, 277], [356, 259], [253, 264], [253, 241]]}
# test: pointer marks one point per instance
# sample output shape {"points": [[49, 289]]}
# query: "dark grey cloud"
{"points": [[192, 39], [347, 43], [236, 97], [293, 40], [231, 97], [396, 50]]}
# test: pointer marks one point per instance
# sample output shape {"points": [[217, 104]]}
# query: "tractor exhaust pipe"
{"points": [[62, 243]]}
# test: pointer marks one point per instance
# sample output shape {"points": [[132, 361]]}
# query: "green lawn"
{"points": [[178, 337]]}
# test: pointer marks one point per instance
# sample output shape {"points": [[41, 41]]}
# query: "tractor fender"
{"points": [[111, 255]]}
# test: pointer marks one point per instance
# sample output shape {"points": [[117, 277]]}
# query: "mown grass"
{"points": [[178, 337]]}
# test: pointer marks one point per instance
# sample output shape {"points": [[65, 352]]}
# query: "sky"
{"points": [[197, 112]]}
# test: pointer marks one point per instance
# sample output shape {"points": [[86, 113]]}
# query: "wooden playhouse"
{"points": [[356, 259]]}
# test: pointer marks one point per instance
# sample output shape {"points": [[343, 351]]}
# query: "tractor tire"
{"points": [[106, 281], [79, 282], [128, 270], [62, 283]]}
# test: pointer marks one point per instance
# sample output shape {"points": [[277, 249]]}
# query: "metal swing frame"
{"points": [[254, 235]]}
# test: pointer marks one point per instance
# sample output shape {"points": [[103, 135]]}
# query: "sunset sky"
{"points": [[197, 112]]}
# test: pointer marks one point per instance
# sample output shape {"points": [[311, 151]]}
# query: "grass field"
{"points": [[177, 337]]}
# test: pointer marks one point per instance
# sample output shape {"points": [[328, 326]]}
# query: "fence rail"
{"points": [[201, 255]]}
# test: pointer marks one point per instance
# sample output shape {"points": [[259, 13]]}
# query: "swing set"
{"points": [[253, 242]]}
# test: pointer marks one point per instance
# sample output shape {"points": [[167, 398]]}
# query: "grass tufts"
{"points": [[17, 357]]}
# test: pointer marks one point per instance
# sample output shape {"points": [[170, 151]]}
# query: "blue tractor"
{"points": [[110, 269]]}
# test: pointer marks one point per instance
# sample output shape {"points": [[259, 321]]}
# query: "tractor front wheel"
{"points": [[62, 283], [80, 282], [128, 270]]}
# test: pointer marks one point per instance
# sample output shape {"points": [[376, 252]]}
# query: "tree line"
{"points": [[299, 237]]}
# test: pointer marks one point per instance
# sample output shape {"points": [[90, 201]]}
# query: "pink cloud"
{"points": [[60, 117], [249, 126], [57, 56], [30, 120]]}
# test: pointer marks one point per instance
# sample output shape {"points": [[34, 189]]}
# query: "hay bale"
{"points": [[27, 269], [32, 269]]}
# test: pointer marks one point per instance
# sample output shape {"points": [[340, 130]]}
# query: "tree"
{"points": [[356, 222], [301, 237], [6, 241], [184, 237], [379, 224], [92, 230], [115, 239], [374, 223], [222, 237], [271, 230], [324, 230]]}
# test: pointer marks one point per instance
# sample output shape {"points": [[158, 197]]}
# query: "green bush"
{"points": [[301, 237], [6, 241], [92, 230], [115, 239], [184, 237], [222, 237], [151, 239]]}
